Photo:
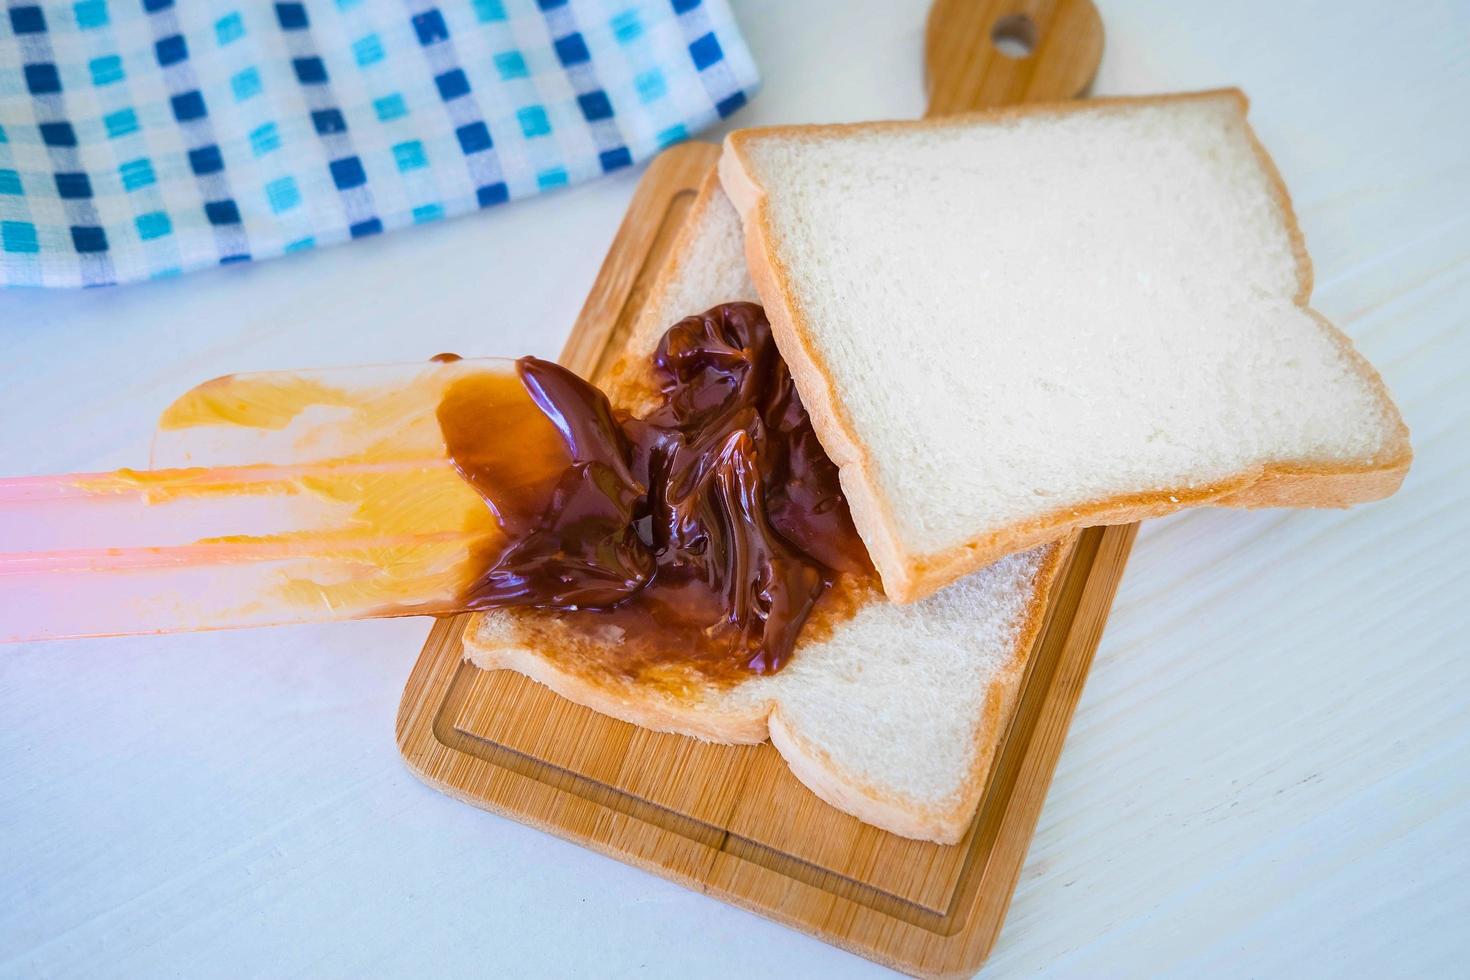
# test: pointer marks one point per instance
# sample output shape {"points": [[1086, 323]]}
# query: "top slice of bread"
{"points": [[894, 715], [1012, 324]]}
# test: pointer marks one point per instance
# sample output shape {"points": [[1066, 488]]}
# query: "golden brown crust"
{"points": [[908, 577], [639, 706], [818, 392], [734, 722], [740, 137], [942, 824]]}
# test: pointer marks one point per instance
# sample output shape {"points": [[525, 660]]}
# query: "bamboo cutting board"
{"points": [[731, 821]]}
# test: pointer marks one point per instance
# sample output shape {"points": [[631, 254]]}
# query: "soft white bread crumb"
{"points": [[1014, 324], [896, 715]]}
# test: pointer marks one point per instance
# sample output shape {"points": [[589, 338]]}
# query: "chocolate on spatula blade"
{"points": [[293, 417]]}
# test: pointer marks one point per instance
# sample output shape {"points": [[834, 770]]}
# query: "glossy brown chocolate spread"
{"points": [[703, 534]]}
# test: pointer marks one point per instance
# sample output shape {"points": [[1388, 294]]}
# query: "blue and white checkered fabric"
{"points": [[143, 138]]}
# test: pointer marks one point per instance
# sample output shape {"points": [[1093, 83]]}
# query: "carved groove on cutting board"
{"points": [[1041, 671]]}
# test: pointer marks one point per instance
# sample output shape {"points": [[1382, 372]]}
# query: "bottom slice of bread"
{"points": [[894, 714]]}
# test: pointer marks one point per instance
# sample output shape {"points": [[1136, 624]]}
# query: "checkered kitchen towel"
{"points": [[142, 138]]}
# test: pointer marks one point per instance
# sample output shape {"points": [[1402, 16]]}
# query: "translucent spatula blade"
{"points": [[298, 417], [275, 497]]}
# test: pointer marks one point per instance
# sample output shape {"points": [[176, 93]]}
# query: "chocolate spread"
{"points": [[704, 533]]}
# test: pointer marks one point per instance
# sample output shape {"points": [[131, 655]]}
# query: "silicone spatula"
{"points": [[270, 498]]}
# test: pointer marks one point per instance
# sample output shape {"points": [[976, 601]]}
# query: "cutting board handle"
{"points": [[981, 54]]}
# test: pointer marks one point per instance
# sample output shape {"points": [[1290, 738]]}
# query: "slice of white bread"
{"points": [[894, 715], [1012, 324]]}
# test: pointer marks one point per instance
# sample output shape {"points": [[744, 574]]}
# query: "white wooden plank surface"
{"points": [[1269, 773]]}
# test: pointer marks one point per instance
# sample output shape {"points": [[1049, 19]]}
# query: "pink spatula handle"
{"points": [[108, 554]]}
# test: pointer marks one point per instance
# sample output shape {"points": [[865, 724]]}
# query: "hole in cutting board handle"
{"points": [[1015, 36]]}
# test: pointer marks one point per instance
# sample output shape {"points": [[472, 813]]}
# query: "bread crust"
{"points": [[628, 702], [944, 824], [711, 717], [908, 577]]}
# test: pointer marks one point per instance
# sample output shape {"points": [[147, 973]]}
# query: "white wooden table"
{"points": [[1269, 773]]}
